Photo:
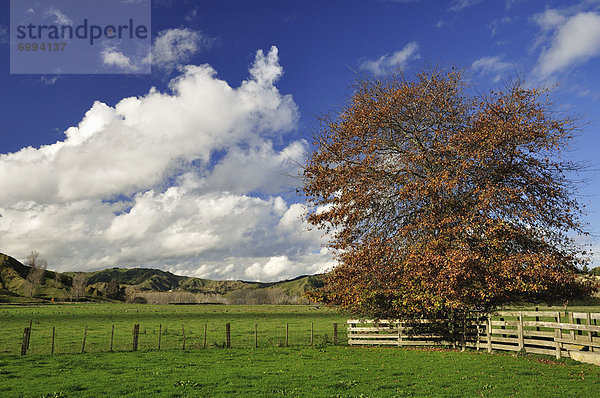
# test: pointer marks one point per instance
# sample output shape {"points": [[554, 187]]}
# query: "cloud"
{"points": [[181, 229], [191, 15], [174, 47], [143, 140], [188, 180], [496, 23], [549, 19], [491, 66], [389, 62], [259, 168], [59, 17], [171, 49], [574, 40], [511, 3], [49, 80], [113, 57], [459, 5]]}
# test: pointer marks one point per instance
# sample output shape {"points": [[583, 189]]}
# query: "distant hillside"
{"points": [[151, 285], [13, 282]]}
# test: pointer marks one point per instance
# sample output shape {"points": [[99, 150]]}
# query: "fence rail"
{"points": [[539, 332]]}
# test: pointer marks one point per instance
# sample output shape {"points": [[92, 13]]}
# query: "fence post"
{"points": [[52, 349], [84, 336], [335, 333], [520, 331], [559, 320], [183, 332], [557, 342], [112, 337], [30, 329], [572, 321], [25, 344], [589, 331], [595, 324], [159, 335], [399, 327], [464, 333], [228, 335], [537, 319], [136, 332], [478, 342], [489, 333]]}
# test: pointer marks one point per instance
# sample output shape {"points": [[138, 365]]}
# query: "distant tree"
{"points": [[36, 273], [78, 286], [440, 202], [113, 289], [273, 295], [57, 280]]}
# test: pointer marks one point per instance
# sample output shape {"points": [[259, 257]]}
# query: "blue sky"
{"points": [[187, 168]]}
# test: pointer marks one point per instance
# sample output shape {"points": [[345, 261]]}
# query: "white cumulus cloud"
{"points": [[389, 62], [190, 180], [573, 40], [142, 140]]}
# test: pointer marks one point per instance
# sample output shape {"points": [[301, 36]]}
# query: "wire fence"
{"points": [[148, 337]]}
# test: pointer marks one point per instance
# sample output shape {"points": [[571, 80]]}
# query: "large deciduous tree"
{"points": [[442, 202]]}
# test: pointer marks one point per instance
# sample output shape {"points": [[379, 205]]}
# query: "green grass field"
{"points": [[271, 370], [70, 321], [295, 372]]}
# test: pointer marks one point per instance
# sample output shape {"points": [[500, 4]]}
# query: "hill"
{"points": [[13, 282], [150, 285]]}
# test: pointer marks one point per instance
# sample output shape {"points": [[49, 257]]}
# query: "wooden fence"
{"points": [[539, 332]]}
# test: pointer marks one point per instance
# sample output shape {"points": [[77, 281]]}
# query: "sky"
{"points": [[193, 168]]}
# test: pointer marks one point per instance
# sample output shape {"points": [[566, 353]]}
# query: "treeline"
{"points": [[274, 295]]}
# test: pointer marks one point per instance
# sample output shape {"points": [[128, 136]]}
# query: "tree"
{"points": [[112, 289], [36, 273], [78, 286], [440, 202], [57, 280]]}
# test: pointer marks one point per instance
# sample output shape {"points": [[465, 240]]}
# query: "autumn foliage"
{"points": [[440, 202]]}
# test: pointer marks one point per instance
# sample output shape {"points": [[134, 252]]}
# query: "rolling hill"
{"points": [[149, 285]]}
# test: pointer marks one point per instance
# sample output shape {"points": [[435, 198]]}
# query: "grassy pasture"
{"points": [[296, 372], [268, 371], [70, 320]]}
